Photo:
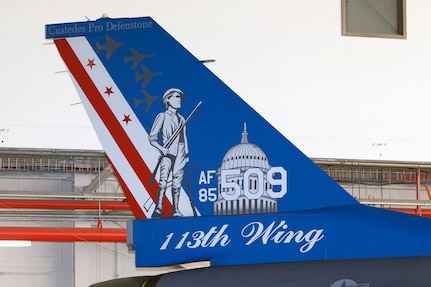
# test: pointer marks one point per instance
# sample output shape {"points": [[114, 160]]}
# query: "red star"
{"points": [[109, 91], [127, 119], [91, 63]]}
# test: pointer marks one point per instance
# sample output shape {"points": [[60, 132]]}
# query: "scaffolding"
{"points": [[52, 160]]}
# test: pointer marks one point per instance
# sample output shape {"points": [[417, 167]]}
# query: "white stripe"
{"points": [[136, 132], [116, 102], [120, 162], [115, 155]]}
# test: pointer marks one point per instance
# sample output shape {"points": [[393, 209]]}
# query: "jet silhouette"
{"points": [[146, 76], [148, 100], [136, 58], [110, 46]]}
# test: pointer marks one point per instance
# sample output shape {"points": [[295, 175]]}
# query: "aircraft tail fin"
{"points": [[230, 188], [138, 85]]}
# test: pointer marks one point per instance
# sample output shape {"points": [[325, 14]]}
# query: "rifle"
{"points": [[170, 141]]}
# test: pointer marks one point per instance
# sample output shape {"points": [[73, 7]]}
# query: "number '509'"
{"points": [[253, 183]]}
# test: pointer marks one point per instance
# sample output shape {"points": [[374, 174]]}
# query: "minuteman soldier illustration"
{"points": [[168, 135]]}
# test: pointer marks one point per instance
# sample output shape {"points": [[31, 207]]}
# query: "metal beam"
{"points": [[101, 178], [64, 204], [59, 234], [62, 195]]}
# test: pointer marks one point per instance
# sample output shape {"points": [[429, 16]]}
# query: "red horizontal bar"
{"points": [[416, 211], [64, 204], [53, 234]]}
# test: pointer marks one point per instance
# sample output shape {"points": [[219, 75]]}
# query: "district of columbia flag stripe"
{"points": [[109, 120]]}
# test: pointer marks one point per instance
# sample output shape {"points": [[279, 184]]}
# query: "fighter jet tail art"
{"points": [[209, 179]]}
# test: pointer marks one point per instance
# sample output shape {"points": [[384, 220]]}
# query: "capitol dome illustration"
{"points": [[242, 181]]}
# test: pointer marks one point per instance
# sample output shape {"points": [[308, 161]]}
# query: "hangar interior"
{"points": [[70, 209]]}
